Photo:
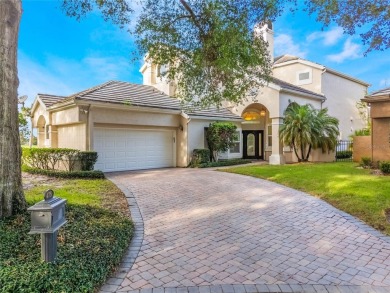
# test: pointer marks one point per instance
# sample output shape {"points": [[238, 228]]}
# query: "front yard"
{"points": [[344, 185], [90, 245]]}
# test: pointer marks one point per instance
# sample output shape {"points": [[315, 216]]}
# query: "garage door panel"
{"points": [[129, 149]]}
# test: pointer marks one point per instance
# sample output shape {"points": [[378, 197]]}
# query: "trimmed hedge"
{"points": [[64, 174], [224, 163], [87, 160], [344, 155], [200, 156], [90, 246], [50, 158], [385, 167]]}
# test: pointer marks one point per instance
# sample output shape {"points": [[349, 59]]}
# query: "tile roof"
{"points": [[382, 92], [382, 95], [49, 100], [289, 86], [124, 93]]}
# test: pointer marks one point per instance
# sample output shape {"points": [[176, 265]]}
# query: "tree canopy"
{"points": [[209, 47], [371, 18]]}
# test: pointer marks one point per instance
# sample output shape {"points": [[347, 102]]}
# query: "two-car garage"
{"points": [[121, 149]]}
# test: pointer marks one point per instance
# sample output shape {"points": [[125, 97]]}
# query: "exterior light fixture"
{"points": [[262, 113]]}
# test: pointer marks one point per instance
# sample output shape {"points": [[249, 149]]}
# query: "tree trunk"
{"points": [[12, 198]]}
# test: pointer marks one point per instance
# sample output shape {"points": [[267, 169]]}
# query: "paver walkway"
{"points": [[201, 228]]}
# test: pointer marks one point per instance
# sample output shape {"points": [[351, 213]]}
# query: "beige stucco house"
{"points": [[142, 126]]}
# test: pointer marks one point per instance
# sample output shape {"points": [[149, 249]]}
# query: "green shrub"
{"points": [[87, 160], [362, 132], [344, 155], [90, 246], [64, 174], [385, 167], [49, 158], [200, 156], [366, 162], [220, 137], [223, 163]]}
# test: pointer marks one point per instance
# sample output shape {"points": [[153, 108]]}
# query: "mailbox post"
{"points": [[47, 217]]}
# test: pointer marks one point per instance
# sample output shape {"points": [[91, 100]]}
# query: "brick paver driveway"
{"points": [[203, 227]]}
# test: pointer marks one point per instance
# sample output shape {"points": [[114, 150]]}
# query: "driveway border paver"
{"points": [[113, 283]]}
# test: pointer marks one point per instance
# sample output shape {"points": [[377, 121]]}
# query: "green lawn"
{"points": [[344, 185], [90, 245]]}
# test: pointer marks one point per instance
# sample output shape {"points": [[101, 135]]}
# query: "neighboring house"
{"points": [[379, 103], [142, 126]]}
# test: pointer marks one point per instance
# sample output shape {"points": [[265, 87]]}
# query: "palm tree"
{"points": [[306, 128]]}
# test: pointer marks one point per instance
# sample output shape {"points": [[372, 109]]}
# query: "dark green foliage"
{"points": [[366, 162], [220, 137], [200, 156], [87, 160], [223, 163], [90, 246], [385, 167], [96, 174], [344, 154]]}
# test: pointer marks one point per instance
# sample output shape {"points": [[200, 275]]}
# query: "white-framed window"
{"points": [[269, 135], [235, 148], [304, 76]]}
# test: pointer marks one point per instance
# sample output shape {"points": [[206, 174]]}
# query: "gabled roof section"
{"points": [[285, 58], [382, 92], [378, 96], [290, 87], [125, 93], [289, 59], [49, 100]]}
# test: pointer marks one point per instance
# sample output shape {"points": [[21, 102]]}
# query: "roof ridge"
{"points": [[91, 90], [43, 94]]}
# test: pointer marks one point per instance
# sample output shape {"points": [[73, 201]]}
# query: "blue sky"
{"points": [[58, 55]]}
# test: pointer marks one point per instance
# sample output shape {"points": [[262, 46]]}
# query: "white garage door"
{"points": [[128, 149]]}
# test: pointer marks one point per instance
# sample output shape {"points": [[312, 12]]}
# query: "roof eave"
{"points": [[303, 94], [346, 76]]}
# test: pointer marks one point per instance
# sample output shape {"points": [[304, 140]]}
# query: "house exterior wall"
{"points": [[182, 159], [381, 138], [127, 117], [72, 136], [361, 148], [66, 116], [289, 74], [341, 98]]}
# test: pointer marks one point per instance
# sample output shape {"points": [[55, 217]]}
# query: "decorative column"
{"points": [[277, 157]]}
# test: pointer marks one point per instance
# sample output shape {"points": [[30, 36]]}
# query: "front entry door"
{"points": [[253, 144]]}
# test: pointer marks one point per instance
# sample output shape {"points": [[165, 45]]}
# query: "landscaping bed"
{"points": [[343, 184], [90, 245]]}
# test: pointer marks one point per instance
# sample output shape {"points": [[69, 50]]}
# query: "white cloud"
{"points": [[350, 51], [66, 76], [328, 38], [284, 44]]}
